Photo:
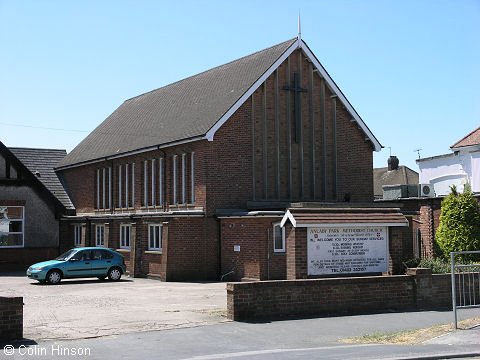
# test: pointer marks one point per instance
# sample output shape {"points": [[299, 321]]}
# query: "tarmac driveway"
{"points": [[88, 308]]}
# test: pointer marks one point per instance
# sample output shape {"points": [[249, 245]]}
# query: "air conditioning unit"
{"points": [[426, 190]]}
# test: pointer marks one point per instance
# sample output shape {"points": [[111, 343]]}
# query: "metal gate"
{"points": [[465, 284]]}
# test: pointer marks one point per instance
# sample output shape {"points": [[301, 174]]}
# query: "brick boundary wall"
{"points": [[419, 289], [11, 318]]}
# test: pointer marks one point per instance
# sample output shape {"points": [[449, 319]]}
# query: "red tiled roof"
{"points": [[471, 139]]}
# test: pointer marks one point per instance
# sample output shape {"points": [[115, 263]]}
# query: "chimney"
{"points": [[392, 163]]}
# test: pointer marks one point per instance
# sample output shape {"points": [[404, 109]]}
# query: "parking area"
{"points": [[88, 308]]}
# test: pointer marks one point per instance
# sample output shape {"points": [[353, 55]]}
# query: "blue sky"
{"points": [[411, 68]]}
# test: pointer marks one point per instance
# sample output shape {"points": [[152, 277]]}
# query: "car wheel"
{"points": [[114, 274], [101, 278], [54, 277]]}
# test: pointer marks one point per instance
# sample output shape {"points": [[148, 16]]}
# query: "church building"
{"points": [[221, 175]]}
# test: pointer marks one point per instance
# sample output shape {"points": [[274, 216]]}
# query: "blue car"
{"points": [[80, 263]]}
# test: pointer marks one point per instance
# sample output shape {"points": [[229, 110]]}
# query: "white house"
{"points": [[457, 168]]}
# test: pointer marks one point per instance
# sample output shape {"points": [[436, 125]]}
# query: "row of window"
{"points": [[182, 181], [154, 236]]}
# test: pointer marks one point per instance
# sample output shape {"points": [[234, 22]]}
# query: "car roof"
{"points": [[93, 248]]}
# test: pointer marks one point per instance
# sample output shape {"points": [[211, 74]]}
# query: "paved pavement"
{"points": [[299, 339], [87, 308]]}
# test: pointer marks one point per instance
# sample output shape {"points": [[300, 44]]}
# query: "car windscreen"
{"points": [[66, 255]]}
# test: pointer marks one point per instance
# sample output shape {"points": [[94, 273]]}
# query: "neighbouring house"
{"points": [[399, 180], [437, 174], [459, 167], [207, 177], [32, 200]]}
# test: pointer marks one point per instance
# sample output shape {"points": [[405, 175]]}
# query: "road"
{"points": [[299, 339]]}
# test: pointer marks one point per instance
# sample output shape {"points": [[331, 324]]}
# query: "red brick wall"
{"points": [[11, 318], [256, 258], [296, 239], [315, 297], [192, 249], [348, 156], [397, 250]]}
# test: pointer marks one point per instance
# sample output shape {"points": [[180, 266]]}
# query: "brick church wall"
{"points": [[256, 258]]}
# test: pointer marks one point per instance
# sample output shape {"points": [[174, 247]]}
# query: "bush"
{"points": [[438, 265], [459, 228]]}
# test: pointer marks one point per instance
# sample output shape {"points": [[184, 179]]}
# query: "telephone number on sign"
{"points": [[346, 270]]}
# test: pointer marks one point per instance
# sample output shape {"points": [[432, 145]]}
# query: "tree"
{"points": [[459, 228]]}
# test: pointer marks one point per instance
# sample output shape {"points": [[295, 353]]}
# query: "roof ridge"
{"points": [[211, 69], [27, 148]]}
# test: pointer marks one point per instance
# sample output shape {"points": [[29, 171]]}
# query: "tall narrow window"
{"points": [[104, 181], [278, 238], [109, 187], [77, 235], [125, 236], [132, 204], [100, 235], [153, 182], [160, 181], [103, 188], [192, 177], [120, 173], [184, 178], [98, 188], [145, 183], [174, 179], [155, 237], [126, 186]]}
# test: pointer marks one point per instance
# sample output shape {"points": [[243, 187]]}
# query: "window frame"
{"points": [[77, 235], [174, 179], [184, 178], [123, 239], [160, 180], [104, 184], [275, 249], [102, 237], [192, 177], [152, 227], [22, 220]]}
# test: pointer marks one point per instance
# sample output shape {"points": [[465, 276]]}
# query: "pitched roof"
{"points": [[183, 110], [471, 139], [191, 109], [304, 217], [401, 176], [41, 163]]}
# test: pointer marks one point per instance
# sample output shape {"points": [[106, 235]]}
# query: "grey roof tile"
{"points": [[401, 176], [179, 111], [41, 162]]}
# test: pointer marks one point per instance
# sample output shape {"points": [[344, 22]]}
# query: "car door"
{"points": [[101, 262], [79, 264]]}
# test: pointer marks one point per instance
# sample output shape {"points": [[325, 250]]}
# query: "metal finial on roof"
{"points": [[299, 36]]}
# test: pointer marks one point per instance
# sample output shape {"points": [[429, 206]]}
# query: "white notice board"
{"points": [[347, 250]]}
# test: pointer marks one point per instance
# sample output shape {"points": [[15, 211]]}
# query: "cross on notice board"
{"points": [[297, 104]]}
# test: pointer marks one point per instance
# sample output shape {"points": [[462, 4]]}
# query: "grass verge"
{"points": [[410, 337]]}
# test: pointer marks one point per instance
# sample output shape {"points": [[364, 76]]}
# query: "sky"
{"points": [[410, 68]]}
